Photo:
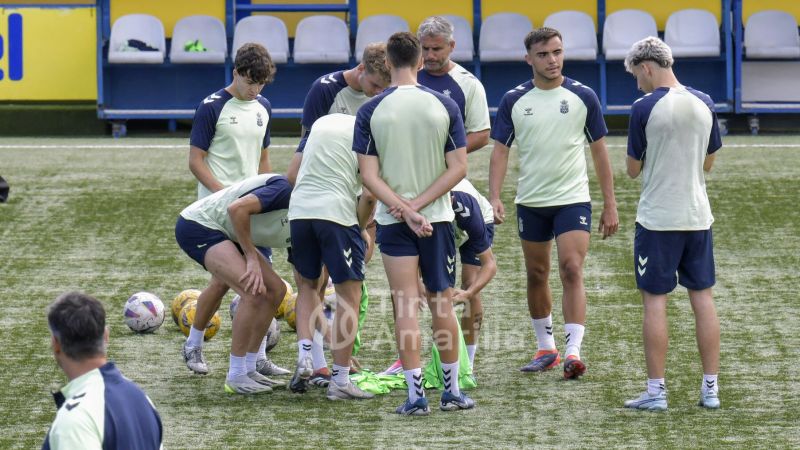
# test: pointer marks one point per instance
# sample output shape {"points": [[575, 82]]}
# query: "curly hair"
{"points": [[253, 61]]}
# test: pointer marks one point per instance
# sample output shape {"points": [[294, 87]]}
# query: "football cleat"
{"points": [[709, 400], [266, 367], [347, 392], [573, 368], [418, 408], [543, 360], [450, 402], [321, 378], [266, 381], [649, 402], [394, 369], [193, 357], [302, 373], [245, 385]]}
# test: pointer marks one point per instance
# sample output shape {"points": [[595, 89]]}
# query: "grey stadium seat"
{"points": [[578, 33], [623, 28], [321, 39], [142, 27], [208, 30], [503, 36], [268, 31], [462, 33], [377, 29], [692, 33], [772, 34]]}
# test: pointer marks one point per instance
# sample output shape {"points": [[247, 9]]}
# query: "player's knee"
{"points": [[537, 276], [571, 271]]}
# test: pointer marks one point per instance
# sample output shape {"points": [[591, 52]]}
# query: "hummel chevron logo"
{"points": [[643, 261], [451, 259], [462, 210], [328, 79], [641, 268], [568, 336], [211, 98], [450, 269], [549, 330], [307, 347], [71, 406], [710, 384], [347, 259]]}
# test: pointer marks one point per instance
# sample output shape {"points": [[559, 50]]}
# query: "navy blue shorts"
{"points": [[468, 254], [542, 224], [437, 253], [658, 255], [195, 240], [316, 242]]}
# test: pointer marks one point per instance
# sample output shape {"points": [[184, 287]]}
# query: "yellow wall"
{"points": [[749, 7], [169, 11], [59, 54], [291, 19], [662, 9], [537, 11], [415, 11]]}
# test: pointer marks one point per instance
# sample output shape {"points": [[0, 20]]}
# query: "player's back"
{"points": [[328, 182], [412, 128], [677, 125]]}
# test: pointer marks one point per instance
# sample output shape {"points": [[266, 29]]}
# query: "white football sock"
{"points": [[544, 333], [250, 361], [318, 352], [471, 349], [573, 333], [195, 339], [709, 384], [237, 367], [450, 372], [340, 374], [414, 382], [656, 386], [303, 348]]}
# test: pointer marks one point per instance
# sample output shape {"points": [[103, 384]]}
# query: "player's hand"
{"points": [[609, 222], [499, 211], [460, 296], [418, 223], [396, 211], [252, 279]]}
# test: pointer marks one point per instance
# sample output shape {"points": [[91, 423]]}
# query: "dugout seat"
{"points": [[692, 33], [771, 35], [209, 31], [578, 33], [502, 37], [268, 31], [623, 28], [462, 33], [141, 27], [377, 29], [321, 39]]}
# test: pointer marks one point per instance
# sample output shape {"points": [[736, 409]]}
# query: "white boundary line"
{"points": [[171, 146]]}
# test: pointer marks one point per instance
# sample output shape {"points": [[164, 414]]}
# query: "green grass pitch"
{"points": [[99, 214]]}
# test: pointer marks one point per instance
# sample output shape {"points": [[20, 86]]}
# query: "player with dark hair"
{"points": [[552, 117], [99, 407], [229, 143], [419, 134]]}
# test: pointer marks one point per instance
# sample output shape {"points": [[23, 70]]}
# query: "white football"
{"points": [[144, 312]]}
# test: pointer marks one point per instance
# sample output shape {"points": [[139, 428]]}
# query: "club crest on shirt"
{"points": [[259, 121], [564, 107], [343, 109]]}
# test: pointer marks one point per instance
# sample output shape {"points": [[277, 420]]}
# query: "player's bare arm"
{"points": [[609, 219], [709, 162], [264, 164], [240, 212], [487, 271], [498, 166], [200, 170], [634, 166], [476, 140]]}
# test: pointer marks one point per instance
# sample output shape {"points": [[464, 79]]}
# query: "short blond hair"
{"points": [[374, 61], [649, 49]]}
